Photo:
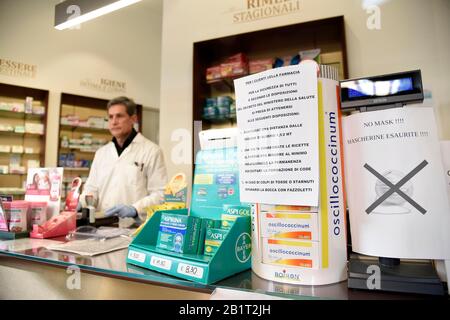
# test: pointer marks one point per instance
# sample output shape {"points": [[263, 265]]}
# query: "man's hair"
{"points": [[129, 104]]}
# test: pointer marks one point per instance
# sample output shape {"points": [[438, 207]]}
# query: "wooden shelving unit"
{"points": [[83, 107], [327, 34], [13, 183]]}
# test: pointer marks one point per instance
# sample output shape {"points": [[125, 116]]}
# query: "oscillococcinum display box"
{"points": [[290, 252], [300, 226]]}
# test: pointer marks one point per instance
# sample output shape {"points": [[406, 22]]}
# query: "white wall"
{"points": [[124, 46], [415, 34]]}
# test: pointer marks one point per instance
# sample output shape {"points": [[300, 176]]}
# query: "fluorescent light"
{"points": [[95, 13]]}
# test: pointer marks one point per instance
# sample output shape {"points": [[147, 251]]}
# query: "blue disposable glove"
{"points": [[79, 208], [122, 211]]}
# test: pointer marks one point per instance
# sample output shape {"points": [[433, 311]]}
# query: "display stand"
{"points": [[7, 235], [57, 226], [216, 182], [233, 255]]}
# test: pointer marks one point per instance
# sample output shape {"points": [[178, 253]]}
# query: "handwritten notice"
{"points": [[277, 118], [396, 190]]}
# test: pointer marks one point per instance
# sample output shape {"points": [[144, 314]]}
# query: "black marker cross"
{"points": [[396, 188]]}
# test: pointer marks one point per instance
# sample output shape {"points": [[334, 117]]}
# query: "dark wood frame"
{"points": [[88, 102], [290, 38], [19, 92]]}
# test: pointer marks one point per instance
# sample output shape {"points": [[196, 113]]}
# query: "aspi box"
{"points": [[292, 253], [178, 233], [213, 240], [300, 226], [205, 224], [231, 212]]}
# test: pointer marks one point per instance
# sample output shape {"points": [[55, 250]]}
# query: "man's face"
{"points": [[120, 123]]}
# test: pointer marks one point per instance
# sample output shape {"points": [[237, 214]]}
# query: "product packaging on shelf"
{"points": [[213, 240], [290, 253], [38, 110], [33, 163], [45, 185], [28, 106], [313, 54], [236, 65], [231, 212], [38, 213], [3, 218], [213, 73], [73, 195], [5, 148], [175, 197], [16, 211], [218, 107], [35, 128], [260, 65], [205, 224], [301, 226], [178, 233], [17, 149]]}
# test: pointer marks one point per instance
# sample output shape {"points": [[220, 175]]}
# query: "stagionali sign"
{"points": [[261, 9], [104, 85], [17, 69]]}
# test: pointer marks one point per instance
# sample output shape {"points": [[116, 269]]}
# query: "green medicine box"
{"points": [[213, 240], [205, 224], [231, 212], [178, 233]]}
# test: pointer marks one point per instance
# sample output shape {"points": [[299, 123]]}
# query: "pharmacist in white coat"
{"points": [[128, 174]]}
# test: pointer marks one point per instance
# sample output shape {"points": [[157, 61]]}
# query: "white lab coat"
{"points": [[135, 178]]}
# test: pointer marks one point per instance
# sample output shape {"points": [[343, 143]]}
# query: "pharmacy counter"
{"points": [[30, 271]]}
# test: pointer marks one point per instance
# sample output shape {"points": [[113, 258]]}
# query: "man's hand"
{"points": [[122, 211]]}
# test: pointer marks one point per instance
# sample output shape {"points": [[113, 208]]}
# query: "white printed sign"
{"points": [[396, 191], [136, 256], [160, 263], [277, 118], [190, 270]]}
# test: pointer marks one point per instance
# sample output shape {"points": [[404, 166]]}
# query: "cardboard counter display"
{"points": [[216, 183]]}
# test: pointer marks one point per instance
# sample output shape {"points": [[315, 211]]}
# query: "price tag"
{"points": [[136, 256], [190, 270], [160, 263]]}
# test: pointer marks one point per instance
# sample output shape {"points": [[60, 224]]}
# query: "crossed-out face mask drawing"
{"points": [[393, 191]]}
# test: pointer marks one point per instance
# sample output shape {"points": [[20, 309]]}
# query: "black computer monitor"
{"points": [[384, 90]]}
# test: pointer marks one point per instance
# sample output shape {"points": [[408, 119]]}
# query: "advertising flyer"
{"points": [[397, 196], [277, 118], [45, 185]]}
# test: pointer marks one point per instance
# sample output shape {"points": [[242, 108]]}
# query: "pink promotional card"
{"points": [[45, 185], [3, 219]]}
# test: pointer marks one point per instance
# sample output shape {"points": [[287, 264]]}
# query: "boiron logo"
{"points": [[287, 275]]}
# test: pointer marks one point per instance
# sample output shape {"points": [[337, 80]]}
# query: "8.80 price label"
{"points": [[190, 270]]}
